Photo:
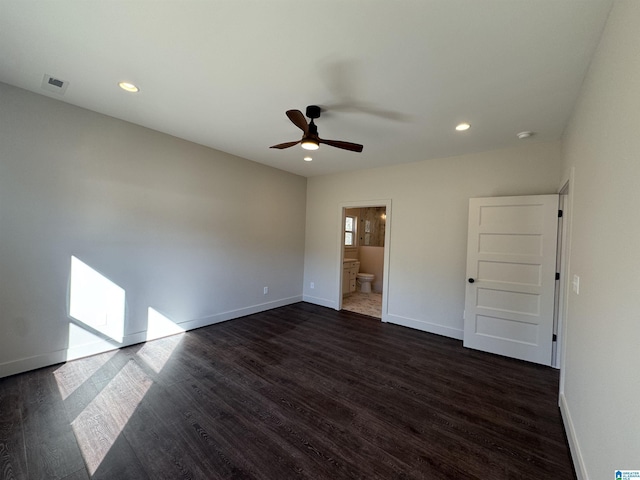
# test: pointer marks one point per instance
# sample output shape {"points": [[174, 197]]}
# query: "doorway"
{"points": [[363, 259], [511, 271], [510, 263]]}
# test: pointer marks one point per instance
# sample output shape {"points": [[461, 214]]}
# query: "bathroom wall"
{"points": [[191, 232], [372, 261], [370, 229], [371, 226]]}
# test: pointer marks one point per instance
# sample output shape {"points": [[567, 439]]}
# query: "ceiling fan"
{"points": [[310, 139]]}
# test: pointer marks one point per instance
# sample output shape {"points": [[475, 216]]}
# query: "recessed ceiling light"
{"points": [[307, 159], [523, 135], [128, 87], [461, 127]]}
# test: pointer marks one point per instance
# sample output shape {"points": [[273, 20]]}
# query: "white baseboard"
{"points": [[241, 312], [323, 302], [574, 446], [424, 326], [32, 363], [94, 348], [100, 346]]}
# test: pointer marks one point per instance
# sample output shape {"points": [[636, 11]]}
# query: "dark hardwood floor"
{"points": [[296, 392]]}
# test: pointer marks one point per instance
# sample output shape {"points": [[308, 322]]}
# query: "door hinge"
{"points": [[557, 275], [559, 213], [555, 338]]}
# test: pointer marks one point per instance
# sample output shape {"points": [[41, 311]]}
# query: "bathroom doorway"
{"points": [[364, 246]]}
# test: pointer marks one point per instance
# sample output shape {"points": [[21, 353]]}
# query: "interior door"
{"points": [[511, 265]]}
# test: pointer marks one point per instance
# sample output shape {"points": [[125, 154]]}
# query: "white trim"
{"points": [[241, 312], [100, 346], [563, 320], [31, 363], [323, 302], [429, 327], [561, 294], [572, 439]]}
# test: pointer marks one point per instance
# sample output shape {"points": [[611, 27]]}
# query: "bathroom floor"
{"points": [[364, 303]]}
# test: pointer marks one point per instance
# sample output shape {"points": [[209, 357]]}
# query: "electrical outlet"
{"points": [[266, 290], [576, 284], [313, 285]]}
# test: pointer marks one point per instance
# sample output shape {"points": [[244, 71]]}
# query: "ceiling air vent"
{"points": [[53, 84]]}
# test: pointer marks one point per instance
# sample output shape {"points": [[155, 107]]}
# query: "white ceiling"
{"points": [[396, 76]]}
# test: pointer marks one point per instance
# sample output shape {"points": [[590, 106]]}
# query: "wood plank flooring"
{"points": [[299, 392]]}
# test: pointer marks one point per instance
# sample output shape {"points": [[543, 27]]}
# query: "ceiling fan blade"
{"points": [[298, 120], [354, 147], [285, 145]]}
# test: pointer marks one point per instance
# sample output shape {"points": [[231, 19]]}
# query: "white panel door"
{"points": [[511, 265]]}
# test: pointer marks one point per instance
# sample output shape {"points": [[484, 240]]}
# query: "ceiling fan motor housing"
{"points": [[313, 111]]}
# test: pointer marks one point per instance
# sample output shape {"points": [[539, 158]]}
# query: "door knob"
{"points": [[471, 280]]}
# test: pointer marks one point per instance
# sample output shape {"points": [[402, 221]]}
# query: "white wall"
{"points": [[428, 222], [601, 398], [192, 232]]}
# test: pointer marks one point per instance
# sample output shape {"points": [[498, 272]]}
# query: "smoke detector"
{"points": [[53, 84]]}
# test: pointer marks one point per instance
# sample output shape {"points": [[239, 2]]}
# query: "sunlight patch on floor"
{"points": [[156, 354], [69, 377], [97, 307], [98, 426]]}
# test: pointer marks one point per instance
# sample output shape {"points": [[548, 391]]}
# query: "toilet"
{"points": [[364, 281]]}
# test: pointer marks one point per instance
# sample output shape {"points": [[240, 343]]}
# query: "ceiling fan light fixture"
{"points": [[310, 144]]}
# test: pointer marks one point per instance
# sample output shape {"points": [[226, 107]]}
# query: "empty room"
{"points": [[319, 240]]}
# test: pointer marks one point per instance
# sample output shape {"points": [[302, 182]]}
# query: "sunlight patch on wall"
{"points": [[96, 301], [98, 426], [157, 353], [159, 326]]}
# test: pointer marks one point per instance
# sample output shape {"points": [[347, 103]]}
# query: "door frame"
{"points": [[566, 191], [340, 250], [561, 265]]}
